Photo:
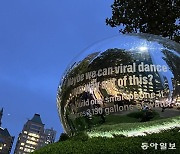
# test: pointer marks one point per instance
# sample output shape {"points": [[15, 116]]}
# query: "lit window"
{"points": [[22, 143], [27, 150], [33, 138], [30, 146], [33, 134], [31, 142]]}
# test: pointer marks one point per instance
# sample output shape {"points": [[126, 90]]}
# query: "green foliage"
{"points": [[159, 17], [141, 114], [80, 136], [136, 115], [116, 145]]}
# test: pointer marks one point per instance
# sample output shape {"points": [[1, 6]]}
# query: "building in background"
{"points": [[6, 140], [50, 135], [32, 137]]}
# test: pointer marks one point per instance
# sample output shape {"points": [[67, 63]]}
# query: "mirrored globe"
{"points": [[127, 84]]}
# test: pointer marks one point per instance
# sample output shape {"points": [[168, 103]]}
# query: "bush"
{"points": [[144, 115], [81, 136], [136, 115], [125, 145]]}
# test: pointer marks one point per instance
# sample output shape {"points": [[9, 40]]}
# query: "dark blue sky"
{"points": [[38, 39]]}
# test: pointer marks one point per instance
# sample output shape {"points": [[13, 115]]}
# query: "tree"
{"points": [[63, 137], [159, 17]]}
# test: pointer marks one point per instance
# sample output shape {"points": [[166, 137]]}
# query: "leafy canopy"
{"points": [[159, 17]]}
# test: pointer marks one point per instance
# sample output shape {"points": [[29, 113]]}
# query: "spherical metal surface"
{"points": [[123, 84]]}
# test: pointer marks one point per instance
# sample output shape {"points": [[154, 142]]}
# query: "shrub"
{"points": [[125, 145]]}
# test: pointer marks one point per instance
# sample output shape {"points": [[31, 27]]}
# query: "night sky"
{"points": [[38, 39]]}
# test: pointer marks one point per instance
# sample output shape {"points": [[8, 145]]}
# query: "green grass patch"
{"points": [[134, 126], [82, 123]]}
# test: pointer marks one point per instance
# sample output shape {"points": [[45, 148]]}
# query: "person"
{"points": [[88, 118], [147, 114]]}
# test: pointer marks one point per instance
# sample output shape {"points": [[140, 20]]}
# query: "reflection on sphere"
{"points": [[120, 85]]}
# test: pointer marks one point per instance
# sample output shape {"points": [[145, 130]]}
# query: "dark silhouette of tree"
{"points": [[63, 137], [159, 17]]}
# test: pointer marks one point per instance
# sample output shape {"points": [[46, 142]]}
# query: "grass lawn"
{"points": [[134, 129], [83, 123]]}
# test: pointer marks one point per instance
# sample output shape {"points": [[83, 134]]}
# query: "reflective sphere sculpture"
{"points": [[128, 84]]}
